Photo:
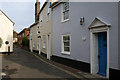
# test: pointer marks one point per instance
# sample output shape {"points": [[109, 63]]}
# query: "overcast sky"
{"points": [[21, 13]]}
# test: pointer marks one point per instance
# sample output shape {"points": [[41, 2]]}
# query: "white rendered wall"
{"points": [[6, 33]]}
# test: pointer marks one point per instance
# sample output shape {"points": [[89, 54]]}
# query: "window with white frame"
{"points": [[65, 11], [66, 44], [44, 41]]}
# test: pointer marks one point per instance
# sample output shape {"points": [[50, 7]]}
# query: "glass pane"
{"points": [[67, 49], [67, 38], [64, 38], [67, 14], [64, 15], [67, 5], [66, 44]]}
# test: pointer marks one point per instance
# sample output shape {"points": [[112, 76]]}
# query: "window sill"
{"points": [[65, 20], [65, 53]]}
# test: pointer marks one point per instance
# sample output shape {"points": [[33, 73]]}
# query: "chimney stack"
{"points": [[37, 9]]}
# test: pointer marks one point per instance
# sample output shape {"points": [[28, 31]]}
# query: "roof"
{"points": [[55, 4], [7, 16], [44, 5], [23, 30], [34, 24]]}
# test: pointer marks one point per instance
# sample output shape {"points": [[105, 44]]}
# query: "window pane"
{"points": [[67, 5], [67, 49], [64, 15], [64, 38], [66, 44], [67, 14]]}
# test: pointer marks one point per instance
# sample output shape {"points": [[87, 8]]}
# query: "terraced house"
{"points": [[41, 30], [86, 36], [45, 22], [6, 33], [34, 30]]}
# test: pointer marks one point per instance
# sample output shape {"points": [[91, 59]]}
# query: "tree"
{"points": [[25, 41]]}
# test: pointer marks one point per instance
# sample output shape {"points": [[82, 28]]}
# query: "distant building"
{"points": [[23, 33], [6, 33], [15, 38]]}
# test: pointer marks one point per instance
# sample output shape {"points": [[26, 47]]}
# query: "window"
{"points": [[38, 44], [38, 27], [23, 34], [48, 13], [40, 20], [65, 13], [66, 44], [33, 44], [44, 41], [38, 32]]}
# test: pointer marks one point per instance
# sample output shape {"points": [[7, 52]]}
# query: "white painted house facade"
{"points": [[6, 33]]}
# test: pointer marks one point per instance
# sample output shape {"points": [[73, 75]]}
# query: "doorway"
{"points": [[102, 53], [48, 47]]}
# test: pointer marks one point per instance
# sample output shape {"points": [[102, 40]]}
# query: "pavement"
{"points": [[23, 64]]}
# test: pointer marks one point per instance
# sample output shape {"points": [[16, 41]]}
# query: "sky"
{"points": [[21, 13]]}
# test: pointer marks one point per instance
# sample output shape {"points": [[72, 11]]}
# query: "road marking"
{"points": [[68, 72]]}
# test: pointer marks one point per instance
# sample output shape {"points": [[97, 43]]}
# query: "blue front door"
{"points": [[102, 50]]}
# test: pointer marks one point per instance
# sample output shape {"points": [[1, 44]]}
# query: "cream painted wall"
{"points": [[46, 28], [34, 36], [6, 33]]}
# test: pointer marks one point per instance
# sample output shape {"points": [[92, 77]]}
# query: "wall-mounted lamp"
{"points": [[81, 20]]}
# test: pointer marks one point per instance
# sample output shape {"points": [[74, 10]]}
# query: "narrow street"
{"points": [[23, 64]]}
